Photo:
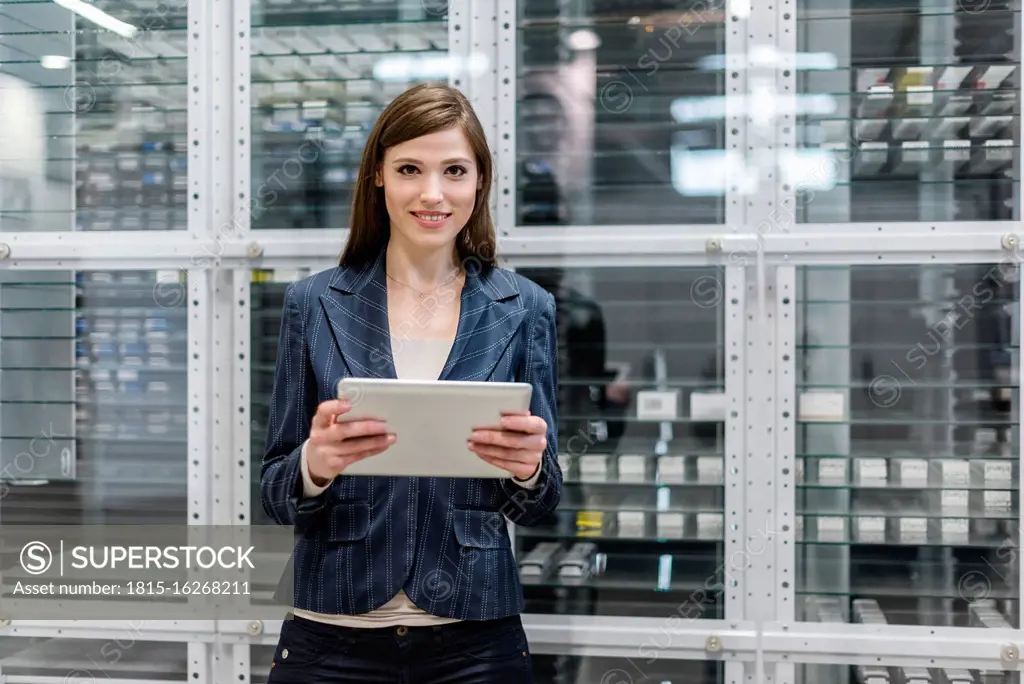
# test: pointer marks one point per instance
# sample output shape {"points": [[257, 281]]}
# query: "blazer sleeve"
{"points": [[292, 406], [530, 505]]}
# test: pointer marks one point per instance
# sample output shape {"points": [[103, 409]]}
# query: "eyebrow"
{"points": [[409, 160]]}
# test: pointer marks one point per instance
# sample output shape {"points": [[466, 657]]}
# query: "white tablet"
{"points": [[433, 421]]}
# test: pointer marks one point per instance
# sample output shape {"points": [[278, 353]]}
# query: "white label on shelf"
{"points": [[955, 472], [671, 469], [912, 529], [997, 500], [831, 529], [871, 524], [127, 375], [594, 468], [631, 523], [832, 469], [955, 528], [710, 468], [998, 471], [708, 405], [657, 405], [799, 527], [168, 276], [632, 468], [671, 525], [709, 525], [871, 529], [914, 471], [800, 471], [954, 499], [872, 470], [822, 406]]}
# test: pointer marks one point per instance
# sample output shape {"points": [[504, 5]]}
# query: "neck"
{"points": [[419, 268]]}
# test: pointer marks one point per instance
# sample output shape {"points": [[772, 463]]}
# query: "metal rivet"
{"points": [[713, 644]]}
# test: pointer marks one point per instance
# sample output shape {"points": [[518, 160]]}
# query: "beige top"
{"points": [[416, 359]]}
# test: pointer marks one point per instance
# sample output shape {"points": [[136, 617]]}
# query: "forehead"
{"points": [[434, 147]]}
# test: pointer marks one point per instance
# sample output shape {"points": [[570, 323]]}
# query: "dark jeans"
{"points": [[488, 652]]}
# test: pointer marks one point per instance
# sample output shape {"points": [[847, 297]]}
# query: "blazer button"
{"points": [[402, 631], [284, 654]]}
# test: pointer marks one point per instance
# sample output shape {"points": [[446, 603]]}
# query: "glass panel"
{"points": [[872, 674], [639, 528], [908, 111], [94, 117], [321, 74], [121, 656], [647, 667], [908, 438], [93, 400], [620, 114]]}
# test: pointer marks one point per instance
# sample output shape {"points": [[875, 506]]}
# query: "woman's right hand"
{"points": [[334, 446]]}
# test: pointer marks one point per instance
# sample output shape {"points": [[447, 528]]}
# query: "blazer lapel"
{"points": [[356, 306], [491, 313]]}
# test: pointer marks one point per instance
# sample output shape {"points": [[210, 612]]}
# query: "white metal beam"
{"points": [[155, 630], [839, 243], [890, 645]]}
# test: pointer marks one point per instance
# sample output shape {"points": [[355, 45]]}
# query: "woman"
{"points": [[410, 579]]}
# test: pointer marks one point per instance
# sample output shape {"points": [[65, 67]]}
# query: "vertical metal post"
{"points": [[784, 408], [506, 56], [737, 350]]}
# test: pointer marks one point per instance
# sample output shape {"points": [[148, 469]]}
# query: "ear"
{"points": [[378, 179]]}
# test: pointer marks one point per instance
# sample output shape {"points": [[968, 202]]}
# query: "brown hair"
{"points": [[421, 110]]}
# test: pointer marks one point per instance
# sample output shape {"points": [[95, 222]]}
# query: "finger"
{"points": [[510, 440], [518, 468], [361, 444], [327, 412], [358, 428], [520, 456], [528, 424], [353, 458]]}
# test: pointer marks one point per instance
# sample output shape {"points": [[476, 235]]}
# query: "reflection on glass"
{"points": [[321, 74], [907, 111], [846, 674], [908, 443], [93, 397], [620, 114], [94, 117], [639, 528]]}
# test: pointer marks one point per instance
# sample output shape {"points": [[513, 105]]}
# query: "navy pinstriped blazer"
{"points": [[443, 540]]}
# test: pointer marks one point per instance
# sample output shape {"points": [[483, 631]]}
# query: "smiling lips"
{"points": [[430, 219]]}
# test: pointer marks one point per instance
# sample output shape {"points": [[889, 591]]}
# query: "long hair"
{"points": [[421, 110]]}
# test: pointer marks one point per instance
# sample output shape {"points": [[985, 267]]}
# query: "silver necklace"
{"points": [[452, 277]]}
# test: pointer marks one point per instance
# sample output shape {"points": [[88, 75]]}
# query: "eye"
{"points": [[406, 169], [457, 171]]}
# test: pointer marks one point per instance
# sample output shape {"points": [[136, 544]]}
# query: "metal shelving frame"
{"points": [[757, 248]]}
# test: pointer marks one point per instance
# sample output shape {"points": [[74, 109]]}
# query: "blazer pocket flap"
{"points": [[480, 529], [349, 522]]}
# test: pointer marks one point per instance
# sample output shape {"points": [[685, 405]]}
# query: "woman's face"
{"points": [[430, 186]]}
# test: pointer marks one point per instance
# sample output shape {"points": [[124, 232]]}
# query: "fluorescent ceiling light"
{"points": [[55, 61], [98, 17]]}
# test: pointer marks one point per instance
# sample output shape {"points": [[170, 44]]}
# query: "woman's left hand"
{"points": [[517, 445]]}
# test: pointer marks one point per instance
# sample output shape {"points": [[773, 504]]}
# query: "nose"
{"points": [[431, 192]]}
